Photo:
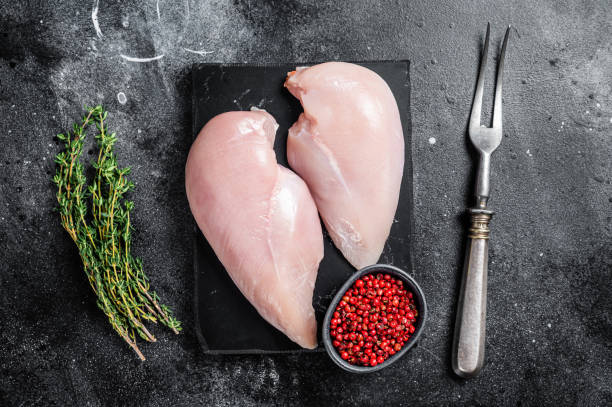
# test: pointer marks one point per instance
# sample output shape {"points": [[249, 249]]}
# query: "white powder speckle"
{"points": [[139, 131], [562, 123], [121, 98], [274, 377], [432, 140], [587, 112], [541, 254], [94, 18], [201, 52], [590, 129], [610, 119], [529, 153], [533, 340], [549, 325], [125, 21], [141, 60], [598, 105]]}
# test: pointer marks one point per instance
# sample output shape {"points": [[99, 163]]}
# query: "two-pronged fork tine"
{"points": [[497, 107], [477, 105], [469, 341], [486, 139]]}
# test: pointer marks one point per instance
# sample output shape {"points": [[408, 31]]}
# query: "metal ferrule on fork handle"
{"points": [[479, 228]]}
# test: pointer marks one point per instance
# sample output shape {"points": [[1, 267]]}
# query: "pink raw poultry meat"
{"points": [[348, 146], [259, 218]]}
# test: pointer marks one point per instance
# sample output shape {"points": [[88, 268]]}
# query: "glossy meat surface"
{"points": [[259, 218], [348, 146]]}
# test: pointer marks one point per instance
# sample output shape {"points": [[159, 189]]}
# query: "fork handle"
{"points": [[469, 339]]}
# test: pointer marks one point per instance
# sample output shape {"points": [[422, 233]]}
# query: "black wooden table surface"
{"points": [[549, 309]]}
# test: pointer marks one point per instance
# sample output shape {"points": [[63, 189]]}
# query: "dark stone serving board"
{"points": [[225, 321]]}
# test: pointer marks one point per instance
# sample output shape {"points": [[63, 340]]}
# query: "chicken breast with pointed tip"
{"points": [[259, 218], [348, 146]]}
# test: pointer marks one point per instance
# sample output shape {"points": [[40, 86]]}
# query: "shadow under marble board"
{"points": [[226, 322]]}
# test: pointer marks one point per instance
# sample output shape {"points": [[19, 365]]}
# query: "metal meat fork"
{"points": [[469, 340]]}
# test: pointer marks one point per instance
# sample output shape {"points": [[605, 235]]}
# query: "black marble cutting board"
{"points": [[225, 321]]}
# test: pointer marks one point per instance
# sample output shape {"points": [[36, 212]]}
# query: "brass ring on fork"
{"points": [[480, 226]]}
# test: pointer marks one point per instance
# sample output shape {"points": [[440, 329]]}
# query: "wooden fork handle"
{"points": [[469, 339]]}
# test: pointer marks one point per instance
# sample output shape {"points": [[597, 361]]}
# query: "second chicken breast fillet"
{"points": [[348, 146]]}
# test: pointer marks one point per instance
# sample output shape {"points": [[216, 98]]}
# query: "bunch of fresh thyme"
{"points": [[103, 234]]}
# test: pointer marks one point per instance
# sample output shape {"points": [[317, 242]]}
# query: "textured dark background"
{"points": [[549, 322]]}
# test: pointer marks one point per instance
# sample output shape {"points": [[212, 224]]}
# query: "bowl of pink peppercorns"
{"points": [[376, 316]]}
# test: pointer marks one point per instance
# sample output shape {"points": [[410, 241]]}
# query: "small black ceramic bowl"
{"points": [[419, 301]]}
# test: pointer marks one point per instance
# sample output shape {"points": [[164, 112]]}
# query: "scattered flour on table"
{"points": [[121, 98], [201, 52], [94, 18], [136, 59]]}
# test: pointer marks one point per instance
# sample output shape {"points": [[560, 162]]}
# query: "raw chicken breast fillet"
{"points": [[348, 146], [259, 218]]}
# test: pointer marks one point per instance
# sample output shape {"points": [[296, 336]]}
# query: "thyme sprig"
{"points": [[103, 233]]}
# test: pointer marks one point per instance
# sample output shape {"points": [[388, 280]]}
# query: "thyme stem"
{"points": [[103, 237]]}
